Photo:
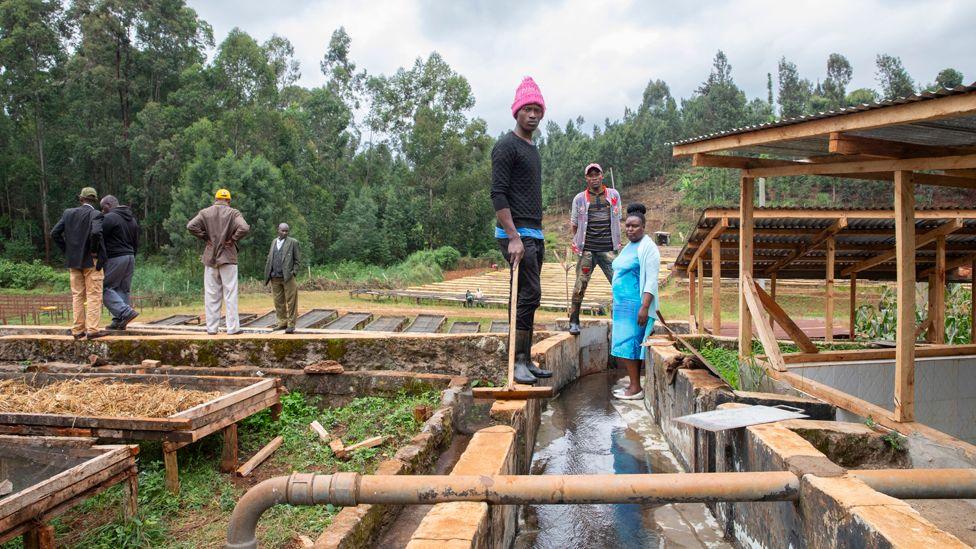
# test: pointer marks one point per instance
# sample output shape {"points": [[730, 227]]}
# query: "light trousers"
{"points": [[86, 299], [221, 283]]}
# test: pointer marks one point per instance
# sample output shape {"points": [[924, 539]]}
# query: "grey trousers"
{"points": [[117, 285]]}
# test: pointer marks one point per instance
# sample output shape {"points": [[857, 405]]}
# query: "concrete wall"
{"points": [[945, 389]]}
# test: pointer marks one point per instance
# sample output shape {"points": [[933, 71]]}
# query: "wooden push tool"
{"points": [[511, 391]]}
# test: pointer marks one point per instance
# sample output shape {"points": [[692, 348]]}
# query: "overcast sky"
{"points": [[593, 58]]}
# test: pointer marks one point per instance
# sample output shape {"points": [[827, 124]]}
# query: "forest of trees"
{"points": [[121, 95]]}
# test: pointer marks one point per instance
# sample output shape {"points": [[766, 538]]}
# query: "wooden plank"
{"points": [[692, 296], [372, 442], [320, 431], [228, 457], [937, 284], [225, 401], [779, 315], [700, 315], [40, 536], [829, 292], [816, 241], [834, 396], [858, 355], [713, 234], [716, 287], [240, 411], [258, 458], [765, 333], [965, 161], [747, 193], [951, 264], [946, 228], [701, 160], [846, 144], [906, 113], [905, 297], [172, 469], [813, 213], [853, 308], [923, 327]]}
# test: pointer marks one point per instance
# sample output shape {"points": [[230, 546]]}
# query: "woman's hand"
{"points": [[642, 315]]}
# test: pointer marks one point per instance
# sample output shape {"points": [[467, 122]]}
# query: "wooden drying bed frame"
{"points": [[27, 511], [242, 398]]}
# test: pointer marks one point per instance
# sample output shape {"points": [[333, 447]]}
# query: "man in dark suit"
{"points": [[79, 235], [280, 270]]}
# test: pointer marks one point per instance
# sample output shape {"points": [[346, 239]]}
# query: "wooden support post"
{"points": [[937, 284], [40, 536], [972, 302], [276, 411], [777, 314], [716, 287], [905, 276], [829, 306], [700, 315], [853, 307], [747, 196], [172, 468], [692, 294], [130, 503], [228, 458], [772, 293], [770, 345]]}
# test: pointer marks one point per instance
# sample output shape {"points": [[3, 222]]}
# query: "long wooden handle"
{"points": [[512, 309]]}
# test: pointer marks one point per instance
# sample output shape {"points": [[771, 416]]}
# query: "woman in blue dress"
{"points": [[635, 273]]}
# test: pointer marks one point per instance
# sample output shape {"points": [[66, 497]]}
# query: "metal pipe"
{"points": [[350, 489], [921, 483]]}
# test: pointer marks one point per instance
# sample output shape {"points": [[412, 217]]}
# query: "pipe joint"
{"points": [[299, 490], [344, 489]]}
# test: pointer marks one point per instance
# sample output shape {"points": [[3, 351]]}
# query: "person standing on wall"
{"points": [[221, 227], [595, 222], [79, 235], [120, 232], [635, 299], [281, 270], [516, 194]]}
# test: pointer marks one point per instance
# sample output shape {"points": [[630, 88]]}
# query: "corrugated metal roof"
{"points": [[863, 239], [965, 125]]}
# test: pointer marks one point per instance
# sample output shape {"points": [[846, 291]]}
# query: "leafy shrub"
{"points": [[446, 257], [30, 276]]}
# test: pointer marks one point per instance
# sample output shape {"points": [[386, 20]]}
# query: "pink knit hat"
{"points": [[528, 93]]}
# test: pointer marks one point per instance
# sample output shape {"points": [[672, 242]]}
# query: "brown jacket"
{"points": [[220, 226]]}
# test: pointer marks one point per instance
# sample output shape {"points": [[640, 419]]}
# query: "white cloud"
{"points": [[594, 58]]}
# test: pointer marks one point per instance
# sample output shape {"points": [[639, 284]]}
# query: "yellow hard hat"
{"points": [[222, 194]]}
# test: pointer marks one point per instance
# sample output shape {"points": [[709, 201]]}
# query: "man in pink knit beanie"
{"points": [[516, 193]]}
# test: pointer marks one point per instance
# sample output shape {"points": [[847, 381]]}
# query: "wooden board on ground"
{"points": [[465, 328], [258, 458], [499, 327], [349, 321], [426, 324], [267, 320], [176, 320], [316, 318], [387, 324], [55, 474]]}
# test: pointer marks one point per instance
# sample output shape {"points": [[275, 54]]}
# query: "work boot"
{"points": [[523, 358], [523, 344], [574, 325]]}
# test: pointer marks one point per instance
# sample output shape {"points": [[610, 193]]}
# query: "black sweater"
{"points": [[120, 231], [516, 180]]}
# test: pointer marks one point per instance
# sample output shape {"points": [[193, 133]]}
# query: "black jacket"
{"points": [[120, 231], [79, 235]]}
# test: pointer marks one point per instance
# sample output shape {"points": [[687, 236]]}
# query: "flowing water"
{"points": [[582, 433]]}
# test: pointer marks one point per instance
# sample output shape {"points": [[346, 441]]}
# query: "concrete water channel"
{"points": [[586, 431]]}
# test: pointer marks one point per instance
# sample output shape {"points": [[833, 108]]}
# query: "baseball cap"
{"points": [[88, 192], [591, 166], [222, 194]]}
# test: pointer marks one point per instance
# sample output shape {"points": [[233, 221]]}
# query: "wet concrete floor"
{"points": [[586, 431]]}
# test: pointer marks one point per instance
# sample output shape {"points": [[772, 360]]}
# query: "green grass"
{"points": [[198, 516]]}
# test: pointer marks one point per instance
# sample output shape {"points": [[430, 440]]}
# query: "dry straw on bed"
{"points": [[99, 397]]}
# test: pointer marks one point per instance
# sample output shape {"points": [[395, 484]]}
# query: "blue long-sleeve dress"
{"points": [[635, 272]]}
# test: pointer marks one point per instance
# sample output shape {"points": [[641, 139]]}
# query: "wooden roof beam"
{"points": [[833, 229], [942, 230], [951, 265], [813, 213], [906, 113], [846, 144], [712, 234], [844, 169]]}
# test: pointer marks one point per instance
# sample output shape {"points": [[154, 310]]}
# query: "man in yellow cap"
{"points": [[79, 235], [221, 227]]}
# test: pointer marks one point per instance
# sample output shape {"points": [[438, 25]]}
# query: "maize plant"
{"points": [[878, 323]]}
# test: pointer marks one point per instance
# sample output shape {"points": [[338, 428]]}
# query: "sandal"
{"points": [[622, 394]]}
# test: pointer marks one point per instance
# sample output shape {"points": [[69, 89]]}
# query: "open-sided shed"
{"points": [[925, 139]]}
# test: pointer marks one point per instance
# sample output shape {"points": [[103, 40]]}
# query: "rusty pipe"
{"points": [[350, 489], [921, 483]]}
